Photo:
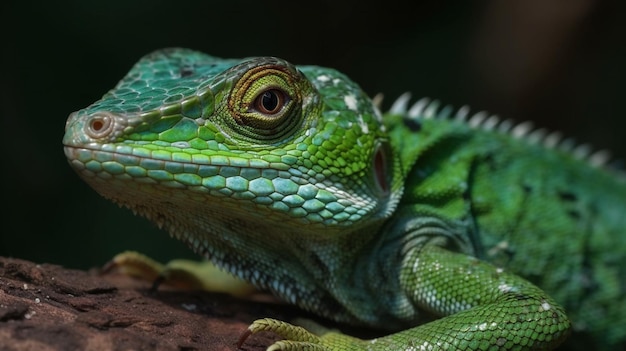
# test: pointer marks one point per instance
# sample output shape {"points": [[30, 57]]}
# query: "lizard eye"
{"points": [[270, 102], [266, 102]]}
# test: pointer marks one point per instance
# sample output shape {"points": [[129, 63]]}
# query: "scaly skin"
{"points": [[291, 179]]}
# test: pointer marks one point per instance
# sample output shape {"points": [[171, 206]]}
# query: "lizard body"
{"points": [[292, 179]]}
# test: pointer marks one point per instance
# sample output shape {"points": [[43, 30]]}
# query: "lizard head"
{"points": [[224, 152]]}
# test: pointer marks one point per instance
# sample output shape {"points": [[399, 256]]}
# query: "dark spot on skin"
{"points": [[413, 124], [314, 259], [574, 214], [567, 196], [186, 71], [321, 266], [491, 162], [521, 297], [466, 195]]}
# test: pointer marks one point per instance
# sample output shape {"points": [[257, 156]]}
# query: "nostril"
{"points": [[99, 125]]}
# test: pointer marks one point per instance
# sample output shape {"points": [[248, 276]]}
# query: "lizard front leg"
{"points": [[482, 308]]}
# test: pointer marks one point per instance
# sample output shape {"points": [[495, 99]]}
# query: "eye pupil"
{"points": [[97, 125], [270, 101]]}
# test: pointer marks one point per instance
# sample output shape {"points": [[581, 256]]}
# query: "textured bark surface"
{"points": [[47, 307]]}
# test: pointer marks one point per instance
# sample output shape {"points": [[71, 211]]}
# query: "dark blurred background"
{"points": [[560, 64]]}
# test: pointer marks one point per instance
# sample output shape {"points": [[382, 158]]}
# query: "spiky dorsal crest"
{"points": [[426, 108]]}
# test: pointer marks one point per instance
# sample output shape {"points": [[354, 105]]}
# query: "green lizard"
{"points": [[448, 230]]}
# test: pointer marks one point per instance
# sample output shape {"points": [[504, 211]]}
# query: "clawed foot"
{"points": [[297, 338], [182, 274]]}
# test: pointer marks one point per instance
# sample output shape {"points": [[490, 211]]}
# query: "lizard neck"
{"points": [[284, 255]]}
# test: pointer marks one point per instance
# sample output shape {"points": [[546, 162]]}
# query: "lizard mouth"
{"points": [[117, 172], [171, 166]]}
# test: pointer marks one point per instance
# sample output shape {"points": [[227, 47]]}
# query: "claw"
{"points": [[296, 338]]}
